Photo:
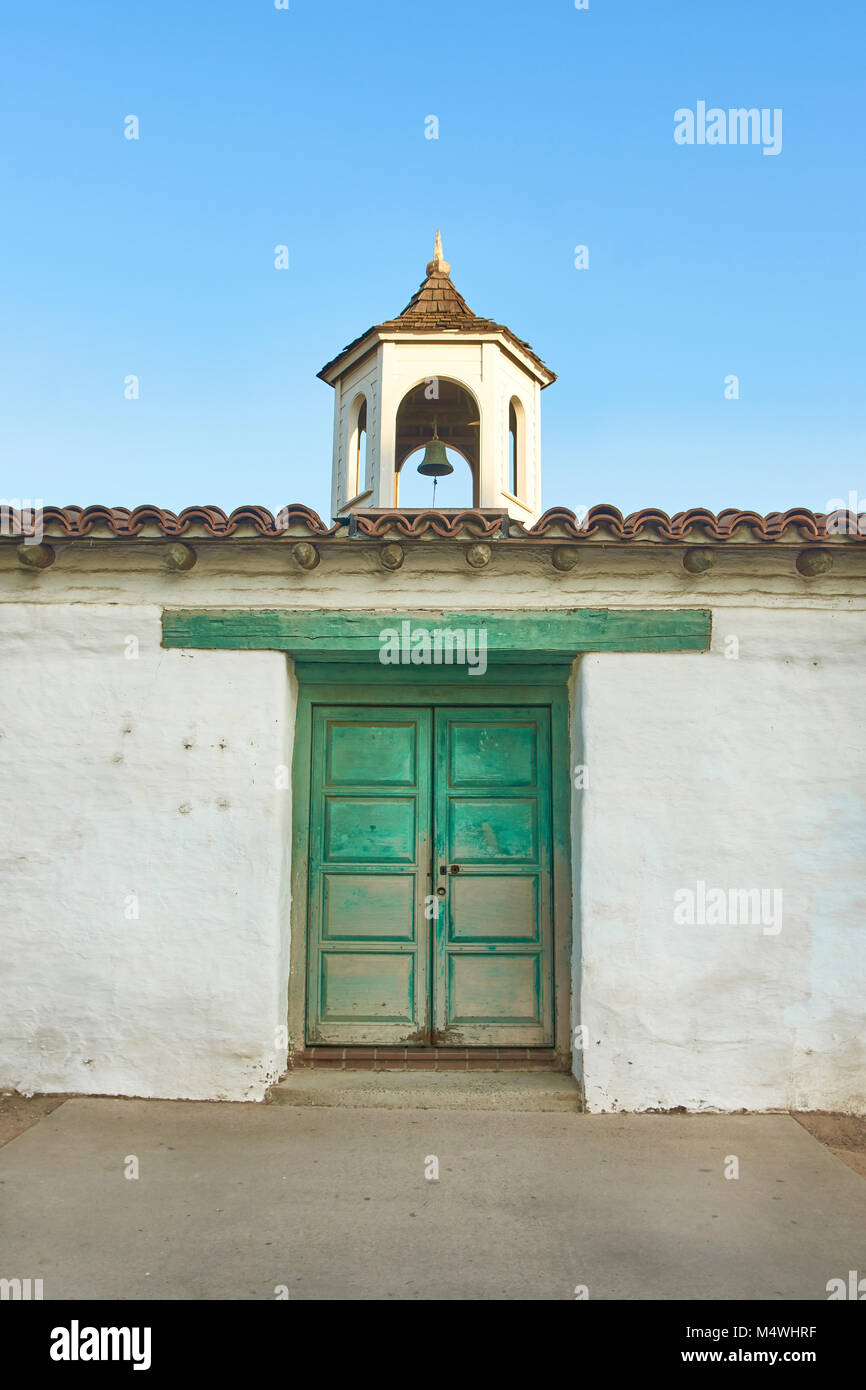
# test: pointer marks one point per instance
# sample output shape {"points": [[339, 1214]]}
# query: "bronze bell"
{"points": [[435, 461]]}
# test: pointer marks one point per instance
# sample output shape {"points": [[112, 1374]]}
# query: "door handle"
{"points": [[455, 868]]}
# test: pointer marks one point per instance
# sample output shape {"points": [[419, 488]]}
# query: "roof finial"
{"points": [[438, 266]]}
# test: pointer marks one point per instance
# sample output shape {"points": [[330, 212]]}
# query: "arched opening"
{"points": [[356, 449], [516, 448], [453, 410]]}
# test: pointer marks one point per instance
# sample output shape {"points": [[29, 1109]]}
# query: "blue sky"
{"points": [[305, 127]]}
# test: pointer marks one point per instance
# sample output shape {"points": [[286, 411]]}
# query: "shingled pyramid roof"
{"points": [[437, 306]]}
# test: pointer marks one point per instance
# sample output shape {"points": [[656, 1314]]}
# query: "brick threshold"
{"points": [[415, 1059]]}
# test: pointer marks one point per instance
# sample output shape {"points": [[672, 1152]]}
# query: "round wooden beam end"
{"points": [[391, 556], [565, 557], [36, 557], [814, 562], [180, 556], [699, 560], [478, 556], [305, 555]]}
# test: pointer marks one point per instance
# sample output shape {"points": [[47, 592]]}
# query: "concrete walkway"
{"points": [[235, 1200]]}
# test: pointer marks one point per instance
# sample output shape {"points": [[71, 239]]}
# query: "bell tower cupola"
{"points": [[438, 381]]}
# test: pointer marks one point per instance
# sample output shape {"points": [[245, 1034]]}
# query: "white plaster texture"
{"points": [[738, 773], [434, 574], [143, 866], [157, 777]]}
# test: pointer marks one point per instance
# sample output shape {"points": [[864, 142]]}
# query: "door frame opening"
{"points": [[362, 683]]}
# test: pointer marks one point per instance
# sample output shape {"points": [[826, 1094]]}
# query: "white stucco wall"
{"points": [[157, 777], [153, 777], [740, 773]]}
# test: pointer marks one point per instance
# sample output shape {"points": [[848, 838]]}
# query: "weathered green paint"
{"points": [[510, 636], [334, 680], [492, 964], [369, 873], [542, 686], [385, 786]]}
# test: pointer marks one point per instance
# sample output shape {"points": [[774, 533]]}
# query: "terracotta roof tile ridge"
{"points": [[603, 521]]}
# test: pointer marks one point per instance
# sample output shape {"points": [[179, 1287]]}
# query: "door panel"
{"points": [[361, 907], [494, 908], [484, 831], [478, 753], [364, 989], [397, 796], [369, 865], [493, 958], [386, 754], [492, 990], [370, 829]]}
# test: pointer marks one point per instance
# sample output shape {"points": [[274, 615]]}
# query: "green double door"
{"points": [[430, 877]]}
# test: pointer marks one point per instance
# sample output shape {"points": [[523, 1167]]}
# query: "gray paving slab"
{"points": [[233, 1201]]}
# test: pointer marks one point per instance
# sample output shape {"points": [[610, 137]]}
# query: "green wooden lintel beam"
{"points": [[340, 635]]}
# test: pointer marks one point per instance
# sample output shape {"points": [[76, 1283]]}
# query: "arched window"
{"points": [[357, 448], [516, 448], [452, 411], [361, 454]]}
